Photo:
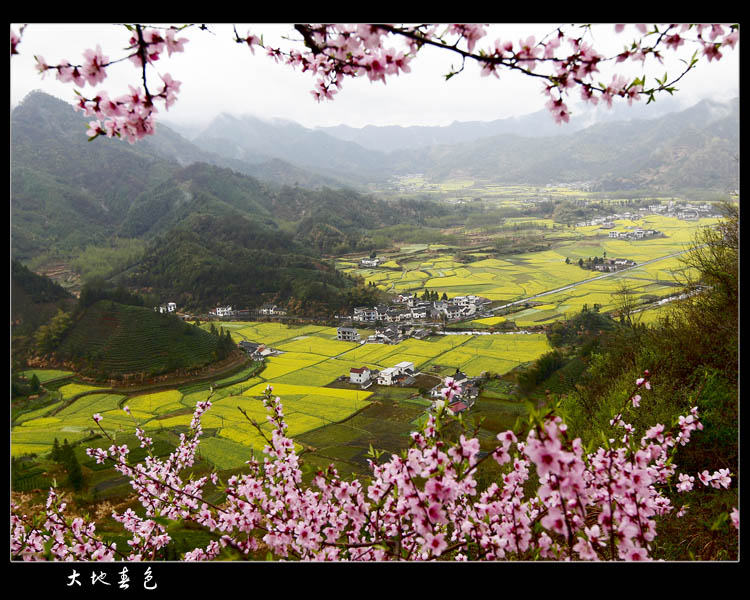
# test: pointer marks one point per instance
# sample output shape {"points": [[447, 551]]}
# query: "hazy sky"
{"points": [[219, 75]]}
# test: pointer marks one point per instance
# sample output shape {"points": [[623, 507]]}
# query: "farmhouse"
{"points": [[347, 334], [397, 374], [272, 309], [222, 311], [369, 262], [359, 376], [364, 313], [166, 308], [253, 349]]}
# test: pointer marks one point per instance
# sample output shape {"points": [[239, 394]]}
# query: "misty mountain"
{"points": [[690, 148], [254, 140], [538, 124], [694, 148], [68, 193]]}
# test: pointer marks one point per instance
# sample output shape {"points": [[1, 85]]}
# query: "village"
{"points": [[685, 211], [402, 374]]}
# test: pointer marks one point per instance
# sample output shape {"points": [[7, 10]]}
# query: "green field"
{"points": [[509, 278], [520, 275], [311, 359]]}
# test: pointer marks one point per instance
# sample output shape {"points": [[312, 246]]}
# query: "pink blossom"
{"points": [[15, 39], [435, 543], [712, 51], [94, 63], [674, 41], [67, 73], [175, 44], [41, 65], [731, 39], [686, 483], [559, 110]]}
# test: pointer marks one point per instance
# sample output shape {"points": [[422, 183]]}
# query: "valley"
{"points": [[538, 271]]}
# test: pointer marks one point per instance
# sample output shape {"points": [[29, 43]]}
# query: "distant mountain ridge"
{"points": [[538, 124], [525, 150]]}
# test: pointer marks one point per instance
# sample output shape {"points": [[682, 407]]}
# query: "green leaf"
{"points": [[719, 522]]}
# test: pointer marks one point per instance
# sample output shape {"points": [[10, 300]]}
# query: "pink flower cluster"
{"points": [[131, 115], [420, 505], [332, 52]]}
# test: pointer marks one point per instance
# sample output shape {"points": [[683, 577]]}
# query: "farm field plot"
{"points": [[488, 321], [270, 333], [319, 374], [36, 432], [508, 279], [45, 375], [316, 345], [494, 353], [73, 389], [40, 412], [158, 403]]}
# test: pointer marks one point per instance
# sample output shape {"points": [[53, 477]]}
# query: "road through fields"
{"points": [[572, 285]]}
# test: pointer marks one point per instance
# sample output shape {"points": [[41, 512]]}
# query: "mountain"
{"points": [[694, 148], [534, 125], [640, 146], [200, 220], [169, 193], [208, 260], [254, 140]]}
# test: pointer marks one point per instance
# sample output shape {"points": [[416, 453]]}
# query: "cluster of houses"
{"points": [[686, 211], [257, 351], [228, 311], [408, 307], [609, 265], [401, 374], [635, 234], [462, 401], [389, 334], [169, 307]]}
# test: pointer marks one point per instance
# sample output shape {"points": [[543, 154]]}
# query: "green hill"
{"points": [[116, 341], [34, 300]]}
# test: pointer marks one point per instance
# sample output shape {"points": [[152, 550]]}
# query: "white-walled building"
{"points": [[222, 311], [347, 334], [360, 375]]}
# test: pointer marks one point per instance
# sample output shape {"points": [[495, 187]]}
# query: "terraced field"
{"points": [[301, 375], [117, 339]]}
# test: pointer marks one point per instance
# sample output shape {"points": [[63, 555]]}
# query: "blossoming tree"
{"points": [[564, 61], [421, 505], [555, 500]]}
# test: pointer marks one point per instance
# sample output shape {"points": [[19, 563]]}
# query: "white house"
{"points": [[347, 334], [359, 375], [166, 308], [369, 262], [388, 376], [271, 309], [403, 366], [223, 311], [364, 313]]}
